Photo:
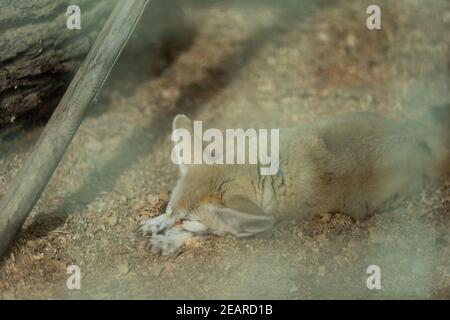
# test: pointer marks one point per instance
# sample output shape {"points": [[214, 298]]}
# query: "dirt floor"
{"points": [[257, 64]]}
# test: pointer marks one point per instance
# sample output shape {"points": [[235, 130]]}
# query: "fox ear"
{"points": [[242, 217], [182, 122], [183, 128], [191, 133]]}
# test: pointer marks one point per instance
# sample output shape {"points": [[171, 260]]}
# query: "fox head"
{"points": [[220, 196]]}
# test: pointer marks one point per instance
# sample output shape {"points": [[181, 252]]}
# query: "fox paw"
{"points": [[156, 225], [169, 243]]}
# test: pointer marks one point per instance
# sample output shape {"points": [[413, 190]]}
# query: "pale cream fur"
{"points": [[354, 163]]}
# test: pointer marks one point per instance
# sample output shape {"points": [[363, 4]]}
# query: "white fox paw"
{"points": [[156, 225], [170, 242]]}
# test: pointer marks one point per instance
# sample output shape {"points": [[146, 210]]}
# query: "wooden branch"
{"points": [[39, 166]]}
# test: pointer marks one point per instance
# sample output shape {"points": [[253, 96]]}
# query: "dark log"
{"points": [[39, 54]]}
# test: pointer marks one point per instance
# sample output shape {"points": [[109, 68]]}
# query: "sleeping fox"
{"points": [[356, 163]]}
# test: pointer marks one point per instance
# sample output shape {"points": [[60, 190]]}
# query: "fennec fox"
{"points": [[354, 163]]}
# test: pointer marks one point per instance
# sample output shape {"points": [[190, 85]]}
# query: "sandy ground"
{"points": [[241, 66]]}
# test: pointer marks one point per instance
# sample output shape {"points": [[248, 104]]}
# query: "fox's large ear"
{"points": [[191, 135], [242, 217], [183, 128], [182, 122]]}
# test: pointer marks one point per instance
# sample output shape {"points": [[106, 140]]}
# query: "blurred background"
{"points": [[253, 63]]}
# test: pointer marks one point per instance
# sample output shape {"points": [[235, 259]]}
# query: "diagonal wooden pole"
{"points": [[42, 161]]}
